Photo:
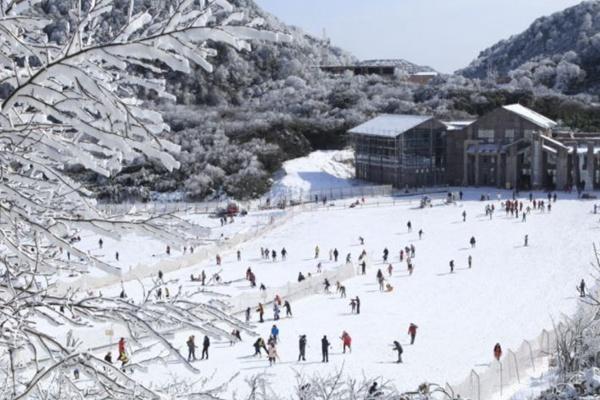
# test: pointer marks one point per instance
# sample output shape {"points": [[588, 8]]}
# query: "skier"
{"points": [[451, 266], [352, 305], [160, 275], [326, 285], [274, 255], [122, 354], [401, 255], [409, 226], [357, 305], [325, 348], [218, 259], [398, 348], [300, 277], [272, 353], [390, 269], [191, 349], [117, 256], [346, 341], [412, 250], [248, 310], [276, 311], [203, 278], [420, 233], [205, 346], [336, 253], [108, 358], [361, 240], [100, 243], [472, 241], [258, 345], [582, 288], [363, 267], [412, 331], [239, 256], [526, 241], [261, 312], [288, 309], [302, 348], [316, 252], [342, 292], [386, 252], [464, 215], [168, 250], [497, 351], [275, 333], [470, 261], [283, 254]]}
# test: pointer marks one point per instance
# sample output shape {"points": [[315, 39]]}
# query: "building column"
{"points": [[589, 176], [511, 168], [465, 178], [477, 164], [498, 170], [562, 169], [536, 163]]}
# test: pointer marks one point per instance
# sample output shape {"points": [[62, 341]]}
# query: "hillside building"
{"points": [[510, 147]]}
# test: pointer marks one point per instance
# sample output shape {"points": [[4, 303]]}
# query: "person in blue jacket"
{"points": [[275, 332]]}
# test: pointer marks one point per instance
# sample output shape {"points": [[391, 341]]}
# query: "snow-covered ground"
{"points": [[320, 170], [511, 293]]}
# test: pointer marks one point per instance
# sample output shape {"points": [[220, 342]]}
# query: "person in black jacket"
{"points": [[325, 348], [302, 348], [399, 349], [205, 346], [288, 308]]}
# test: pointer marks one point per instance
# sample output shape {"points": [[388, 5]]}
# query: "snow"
{"points": [[389, 125], [511, 293], [320, 170], [531, 116]]}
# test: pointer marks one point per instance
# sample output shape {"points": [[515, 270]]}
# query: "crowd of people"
{"points": [[519, 209]]}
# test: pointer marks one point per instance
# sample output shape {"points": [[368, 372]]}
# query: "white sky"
{"points": [[444, 34]]}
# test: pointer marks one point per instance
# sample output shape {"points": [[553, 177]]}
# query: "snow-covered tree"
{"points": [[73, 102]]}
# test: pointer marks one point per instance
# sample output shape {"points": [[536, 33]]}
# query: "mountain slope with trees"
{"points": [[560, 52]]}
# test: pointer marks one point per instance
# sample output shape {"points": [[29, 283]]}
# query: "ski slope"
{"points": [[320, 170], [511, 293]]}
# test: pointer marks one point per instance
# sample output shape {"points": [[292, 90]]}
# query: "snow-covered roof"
{"points": [[390, 125], [426, 73], [457, 125], [531, 116]]}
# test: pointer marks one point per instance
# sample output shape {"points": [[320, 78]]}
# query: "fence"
{"points": [[514, 367], [297, 196], [282, 197], [292, 291]]}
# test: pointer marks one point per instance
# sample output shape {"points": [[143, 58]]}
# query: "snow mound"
{"points": [[318, 171]]}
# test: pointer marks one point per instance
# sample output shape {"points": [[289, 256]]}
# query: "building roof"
{"points": [[390, 125], [531, 116]]}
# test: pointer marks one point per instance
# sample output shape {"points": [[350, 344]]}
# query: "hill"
{"points": [[560, 51]]}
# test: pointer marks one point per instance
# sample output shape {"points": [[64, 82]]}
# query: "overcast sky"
{"points": [[444, 34]]}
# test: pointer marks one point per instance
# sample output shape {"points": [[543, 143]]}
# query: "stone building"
{"points": [[510, 147]]}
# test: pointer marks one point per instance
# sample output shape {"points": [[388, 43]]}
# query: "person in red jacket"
{"points": [[412, 331], [122, 355], [497, 351], [346, 341]]}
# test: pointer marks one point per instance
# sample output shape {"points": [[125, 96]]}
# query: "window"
{"points": [[509, 133], [486, 134]]}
